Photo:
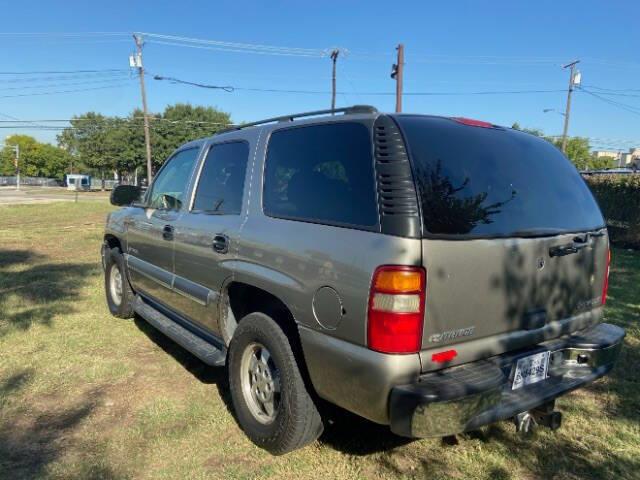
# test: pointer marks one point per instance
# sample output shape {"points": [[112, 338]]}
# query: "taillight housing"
{"points": [[396, 309], [605, 287]]}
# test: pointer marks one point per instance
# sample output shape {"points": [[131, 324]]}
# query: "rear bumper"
{"points": [[464, 398]]}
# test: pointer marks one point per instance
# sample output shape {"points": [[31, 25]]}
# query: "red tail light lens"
{"points": [[396, 309], [605, 288]]}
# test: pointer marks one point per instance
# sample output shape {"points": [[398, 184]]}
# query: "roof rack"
{"points": [[290, 118]]}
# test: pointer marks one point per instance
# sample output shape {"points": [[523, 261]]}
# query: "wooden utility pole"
{"points": [[334, 58], [397, 71], [567, 112], [137, 63], [16, 150]]}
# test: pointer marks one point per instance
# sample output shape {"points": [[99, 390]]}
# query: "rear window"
{"points": [[322, 174], [486, 182]]}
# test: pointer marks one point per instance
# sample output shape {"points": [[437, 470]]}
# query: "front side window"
{"points": [[322, 174], [170, 185], [221, 183]]}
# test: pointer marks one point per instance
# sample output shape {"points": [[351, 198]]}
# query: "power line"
{"points": [[56, 85], [35, 94], [622, 106], [201, 85], [236, 50], [47, 72], [63, 34], [234, 46], [612, 89], [231, 88]]}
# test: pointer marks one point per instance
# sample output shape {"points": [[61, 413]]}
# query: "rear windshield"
{"points": [[494, 182]]}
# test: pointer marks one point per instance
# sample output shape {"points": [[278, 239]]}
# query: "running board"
{"points": [[202, 349]]}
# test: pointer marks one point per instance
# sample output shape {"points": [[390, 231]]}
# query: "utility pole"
{"points": [[137, 63], [567, 112], [334, 58], [16, 150], [397, 70]]}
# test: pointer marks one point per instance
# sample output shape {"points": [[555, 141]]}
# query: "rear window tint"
{"points": [[484, 182], [321, 174]]}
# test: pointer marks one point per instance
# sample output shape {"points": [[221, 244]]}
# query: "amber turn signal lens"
{"points": [[398, 281]]}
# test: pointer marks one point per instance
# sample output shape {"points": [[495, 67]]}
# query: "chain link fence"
{"points": [[32, 181]]}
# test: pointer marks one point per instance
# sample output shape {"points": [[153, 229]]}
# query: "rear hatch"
{"points": [[513, 241]]}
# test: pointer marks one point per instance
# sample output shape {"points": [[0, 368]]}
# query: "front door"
{"points": [[151, 231], [206, 235]]}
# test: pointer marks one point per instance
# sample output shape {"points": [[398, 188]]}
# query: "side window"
{"points": [[221, 183], [321, 174], [169, 186]]}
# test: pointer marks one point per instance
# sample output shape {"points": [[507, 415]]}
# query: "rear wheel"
{"points": [[117, 289], [269, 395]]}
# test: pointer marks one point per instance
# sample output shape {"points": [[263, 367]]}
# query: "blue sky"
{"points": [[454, 46]]}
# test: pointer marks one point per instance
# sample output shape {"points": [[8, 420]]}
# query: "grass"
{"points": [[85, 395]]}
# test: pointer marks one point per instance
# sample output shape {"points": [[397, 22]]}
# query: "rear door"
{"points": [[207, 234], [514, 244]]}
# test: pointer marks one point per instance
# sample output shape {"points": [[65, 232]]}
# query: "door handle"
{"points": [[167, 232], [220, 243]]}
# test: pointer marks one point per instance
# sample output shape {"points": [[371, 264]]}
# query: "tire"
{"points": [[121, 305], [295, 421]]}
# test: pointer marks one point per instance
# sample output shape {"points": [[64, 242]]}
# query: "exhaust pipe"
{"points": [[526, 422]]}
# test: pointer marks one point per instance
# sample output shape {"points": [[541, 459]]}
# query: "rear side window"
{"points": [[322, 174], [486, 182], [221, 183]]}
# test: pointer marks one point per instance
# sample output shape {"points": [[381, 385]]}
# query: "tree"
{"points": [[602, 163], [87, 139], [181, 123], [578, 148], [117, 144], [36, 159], [578, 151]]}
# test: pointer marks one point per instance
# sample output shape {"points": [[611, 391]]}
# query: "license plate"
{"points": [[531, 369]]}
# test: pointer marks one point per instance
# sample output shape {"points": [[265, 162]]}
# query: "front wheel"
{"points": [[269, 395], [117, 289]]}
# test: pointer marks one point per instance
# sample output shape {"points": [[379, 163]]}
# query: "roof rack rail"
{"points": [[290, 118]]}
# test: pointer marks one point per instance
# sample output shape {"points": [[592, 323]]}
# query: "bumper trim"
{"points": [[467, 397]]}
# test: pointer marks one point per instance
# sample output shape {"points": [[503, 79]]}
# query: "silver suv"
{"points": [[428, 273]]}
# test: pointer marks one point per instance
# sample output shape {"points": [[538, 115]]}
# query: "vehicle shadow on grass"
{"points": [[35, 294], [32, 439], [192, 364]]}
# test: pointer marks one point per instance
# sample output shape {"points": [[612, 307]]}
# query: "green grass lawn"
{"points": [[85, 395]]}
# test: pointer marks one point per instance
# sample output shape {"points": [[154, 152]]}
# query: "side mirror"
{"points": [[124, 195]]}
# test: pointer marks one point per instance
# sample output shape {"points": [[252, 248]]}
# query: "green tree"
{"points": [[181, 123], [106, 144], [578, 148], [601, 163], [36, 159], [86, 139]]}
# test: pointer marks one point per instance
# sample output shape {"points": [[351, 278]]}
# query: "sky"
{"points": [[450, 47]]}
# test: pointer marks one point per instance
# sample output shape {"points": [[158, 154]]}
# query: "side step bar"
{"points": [[202, 349]]}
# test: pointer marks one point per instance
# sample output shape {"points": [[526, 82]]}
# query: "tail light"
{"points": [[605, 288], [396, 309]]}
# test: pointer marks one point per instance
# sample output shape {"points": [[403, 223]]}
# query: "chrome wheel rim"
{"points": [[115, 285], [260, 381]]}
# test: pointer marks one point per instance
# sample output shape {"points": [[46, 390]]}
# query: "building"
{"points": [[607, 153], [631, 158]]}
